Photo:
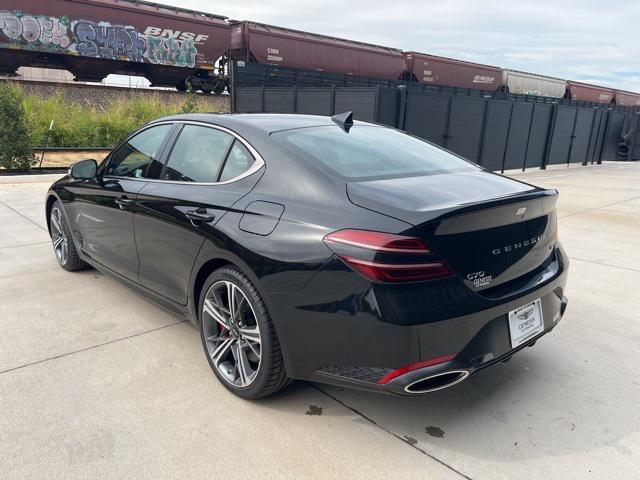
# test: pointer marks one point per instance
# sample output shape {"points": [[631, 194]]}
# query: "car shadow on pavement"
{"points": [[509, 413]]}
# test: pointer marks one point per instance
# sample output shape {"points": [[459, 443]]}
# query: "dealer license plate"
{"points": [[525, 323]]}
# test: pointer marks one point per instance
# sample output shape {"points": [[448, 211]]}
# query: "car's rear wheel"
{"points": [[63, 245], [238, 336]]}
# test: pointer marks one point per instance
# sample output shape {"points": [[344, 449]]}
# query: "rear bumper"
{"points": [[490, 346], [344, 340]]}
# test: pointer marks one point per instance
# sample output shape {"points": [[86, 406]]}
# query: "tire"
{"points": [[226, 337], [64, 247]]}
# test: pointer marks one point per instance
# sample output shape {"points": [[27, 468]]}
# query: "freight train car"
{"points": [[588, 93], [627, 99], [431, 69], [169, 46], [268, 44], [524, 83]]}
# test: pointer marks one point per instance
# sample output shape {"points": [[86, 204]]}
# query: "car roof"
{"points": [[264, 122]]}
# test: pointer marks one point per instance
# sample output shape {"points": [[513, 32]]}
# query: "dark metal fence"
{"points": [[257, 75], [630, 145], [496, 133], [248, 74]]}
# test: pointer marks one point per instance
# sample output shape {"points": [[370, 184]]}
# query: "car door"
{"points": [[207, 170], [107, 202]]}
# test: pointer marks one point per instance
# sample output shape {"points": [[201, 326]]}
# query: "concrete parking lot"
{"points": [[95, 382]]}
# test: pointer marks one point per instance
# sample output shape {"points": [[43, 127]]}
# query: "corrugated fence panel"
{"points": [[279, 101], [596, 135], [361, 101], [561, 135], [634, 151], [309, 78], [634, 148], [581, 135], [518, 135], [495, 133], [388, 107], [315, 101], [612, 138], [427, 116], [248, 100], [540, 124], [465, 126], [280, 76]]}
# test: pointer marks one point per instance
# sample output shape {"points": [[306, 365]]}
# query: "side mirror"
{"points": [[84, 169]]}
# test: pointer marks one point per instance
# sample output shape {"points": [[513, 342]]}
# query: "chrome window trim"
{"points": [[258, 161]]}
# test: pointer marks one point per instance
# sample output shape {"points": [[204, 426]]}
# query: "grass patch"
{"points": [[78, 125]]}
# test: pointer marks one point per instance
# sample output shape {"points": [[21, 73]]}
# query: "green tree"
{"points": [[15, 141]]}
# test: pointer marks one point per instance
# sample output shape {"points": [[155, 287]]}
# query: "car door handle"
{"points": [[199, 215], [124, 201]]}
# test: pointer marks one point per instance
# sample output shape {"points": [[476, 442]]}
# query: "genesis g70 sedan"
{"points": [[317, 248]]}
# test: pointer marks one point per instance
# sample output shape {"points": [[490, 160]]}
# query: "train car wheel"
{"points": [[219, 87]]}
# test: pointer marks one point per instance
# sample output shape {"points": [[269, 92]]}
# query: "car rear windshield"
{"points": [[370, 152]]}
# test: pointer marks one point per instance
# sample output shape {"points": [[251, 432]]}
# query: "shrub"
{"points": [[15, 138], [190, 105]]}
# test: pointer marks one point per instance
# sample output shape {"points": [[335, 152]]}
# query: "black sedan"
{"points": [[317, 248]]}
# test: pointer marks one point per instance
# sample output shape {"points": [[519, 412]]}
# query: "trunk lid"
{"points": [[489, 229]]}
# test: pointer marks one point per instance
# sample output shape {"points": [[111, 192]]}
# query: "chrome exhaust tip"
{"points": [[438, 381]]}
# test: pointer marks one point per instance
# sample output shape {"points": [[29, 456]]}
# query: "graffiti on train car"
{"points": [[104, 40], [169, 51], [95, 39], [46, 31]]}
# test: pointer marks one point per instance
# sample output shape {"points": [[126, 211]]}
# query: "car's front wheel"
{"points": [[63, 245], [238, 335]]}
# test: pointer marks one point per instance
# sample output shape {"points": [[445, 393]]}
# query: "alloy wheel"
{"points": [[231, 333], [58, 236]]}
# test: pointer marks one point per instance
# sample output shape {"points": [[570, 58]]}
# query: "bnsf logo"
{"points": [[483, 79], [177, 34]]}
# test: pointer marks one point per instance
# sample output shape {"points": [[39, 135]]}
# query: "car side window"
{"points": [[138, 157], [197, 155], [238, 162]]}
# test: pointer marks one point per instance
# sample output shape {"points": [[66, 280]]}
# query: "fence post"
{"points": [[402, 105], [376, 105], [295, 99], [506, 144], [485, 112], [585, 162], [232, 86], [572, 136], [526, 149], [547, 146], [333, 100], [606, 135]]}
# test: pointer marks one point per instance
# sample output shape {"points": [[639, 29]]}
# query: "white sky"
{"points": [[588, 40]]}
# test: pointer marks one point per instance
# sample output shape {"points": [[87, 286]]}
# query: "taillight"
{"points": [[386, 257], [386, 242]]}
